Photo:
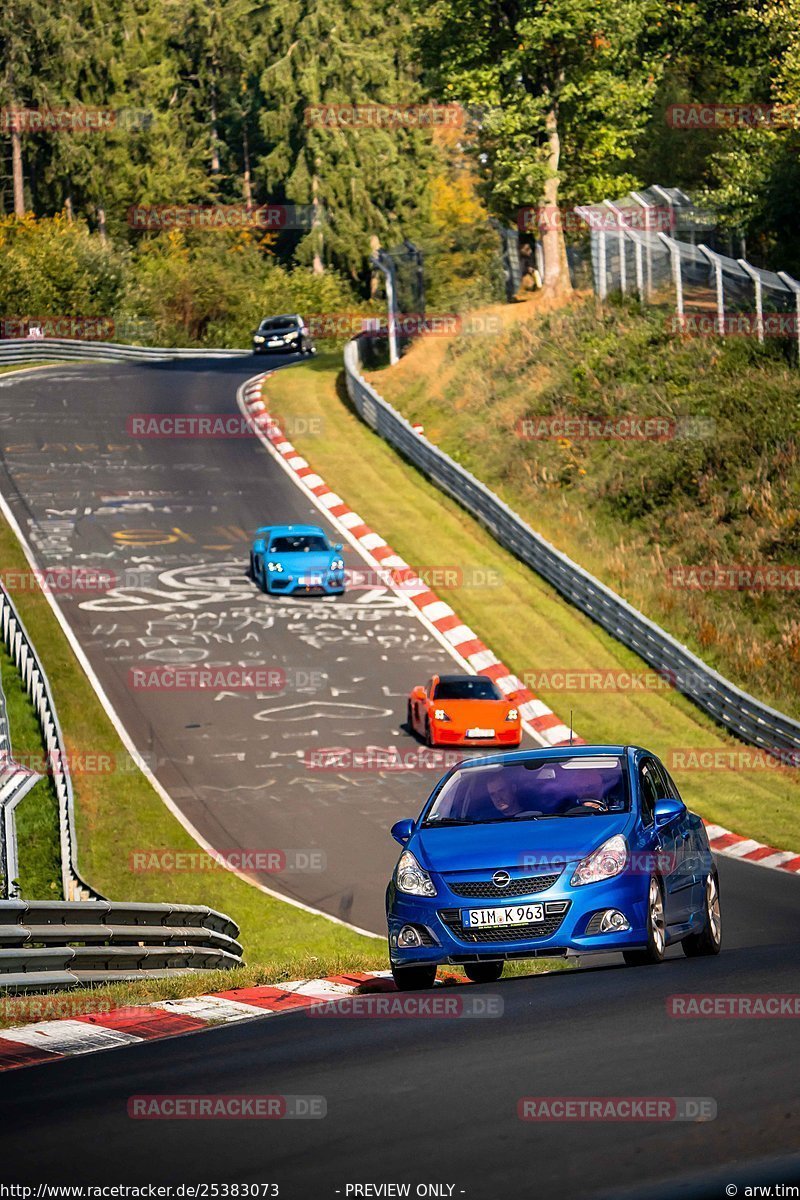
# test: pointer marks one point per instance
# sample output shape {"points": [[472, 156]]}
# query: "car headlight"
{"points": [[275, 566], [410, 878], [337, 564], [258, 338], [440, 715], [512, 714], [605, 862]]}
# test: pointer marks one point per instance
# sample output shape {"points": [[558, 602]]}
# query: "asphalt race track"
{"points": [[173, 520], [435, 1100], [418, 1101]]}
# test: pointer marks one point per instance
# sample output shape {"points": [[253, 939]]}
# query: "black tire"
{"points": [[709, 939], [414, 979], [409, 719], [251, 570], [260, 577], [428, 734], [483, 972], [656, 929]]}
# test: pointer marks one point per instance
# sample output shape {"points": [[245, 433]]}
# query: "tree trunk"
{"points": [[101, 222], [68, 209], [16, 171], [247, 187], [316, 228], [214, 134], [556, 271]]}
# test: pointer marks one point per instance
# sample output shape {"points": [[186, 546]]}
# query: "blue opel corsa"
{"points": [[551, 852]]}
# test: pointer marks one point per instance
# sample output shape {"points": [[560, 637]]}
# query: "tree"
{"points": [[565, 87], [356, 181]]}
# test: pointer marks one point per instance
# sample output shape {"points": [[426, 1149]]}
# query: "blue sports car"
{"points": [[577, 849], [289, 559]]}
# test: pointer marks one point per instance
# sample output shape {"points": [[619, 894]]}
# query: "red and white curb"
{"points": [[722, 841], [462, 642], [538, 720], [48, 1041]]}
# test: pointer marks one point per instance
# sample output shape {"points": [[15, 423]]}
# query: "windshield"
{"points": [[298, 543], [543, 788], [273, 323], [466, 689]]}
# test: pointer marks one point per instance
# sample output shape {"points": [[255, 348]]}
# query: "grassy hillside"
{"points": [[722, 488]]}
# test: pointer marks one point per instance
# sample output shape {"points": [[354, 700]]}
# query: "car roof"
{"points": [[282, 317], [546, 753], [286, 529]]}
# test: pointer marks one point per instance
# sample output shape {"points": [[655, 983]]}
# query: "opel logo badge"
{"points": [[501, 879]]}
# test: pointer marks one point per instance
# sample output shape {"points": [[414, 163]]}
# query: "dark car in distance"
{"points": [[285, 334]]}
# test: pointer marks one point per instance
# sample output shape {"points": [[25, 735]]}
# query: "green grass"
{"points": [[37, 814], [725, 492], [520, 617]]}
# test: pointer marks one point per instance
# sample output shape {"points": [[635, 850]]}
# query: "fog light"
{"points": [[613, 921], [408, 936]]}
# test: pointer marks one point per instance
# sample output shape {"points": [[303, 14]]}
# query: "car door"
{"points": [[679, 831], [663, 841], [692, 842]]}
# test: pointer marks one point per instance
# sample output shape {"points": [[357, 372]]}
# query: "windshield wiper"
{"points": [[448, 821]]}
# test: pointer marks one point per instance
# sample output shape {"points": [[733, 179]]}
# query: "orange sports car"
{"points": [[464, 710]]}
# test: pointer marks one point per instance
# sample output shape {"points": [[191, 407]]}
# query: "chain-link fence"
{"points": [[657, 246]]}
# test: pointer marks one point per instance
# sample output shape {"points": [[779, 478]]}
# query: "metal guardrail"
{"points": [[62, 944], [739, 712], [21, 649], [48, 349]]}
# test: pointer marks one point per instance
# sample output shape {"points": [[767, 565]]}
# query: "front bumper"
{"points": [[284, 348], [567, 911], [447, 734], [329, 583]]}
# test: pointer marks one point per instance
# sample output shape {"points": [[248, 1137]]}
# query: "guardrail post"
{"points": [[649, 255], [623, 275], [675, 260], [793, 286], [716, 264], [759, 295]]}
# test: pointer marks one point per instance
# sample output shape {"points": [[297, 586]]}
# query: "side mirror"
{"points": [[667, 811], [418, 693], [402, 830], [338, 547]]}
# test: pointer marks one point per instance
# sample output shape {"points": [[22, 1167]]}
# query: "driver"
{"points": [[503, 795]]}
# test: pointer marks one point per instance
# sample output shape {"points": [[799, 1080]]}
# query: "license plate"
{"points": [[275, 342], [479, 733], [517, 914]]}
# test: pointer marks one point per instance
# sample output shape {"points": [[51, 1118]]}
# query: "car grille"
{"points": [[484, 889], [451, 918]]}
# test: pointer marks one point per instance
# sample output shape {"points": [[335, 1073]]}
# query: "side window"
{"points": [[429, 689], [648, 790], [669, 782]]}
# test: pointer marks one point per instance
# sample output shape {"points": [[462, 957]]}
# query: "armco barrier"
{"points": [[739, 712], [23, 350], [60, 944], [35, 681]]}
